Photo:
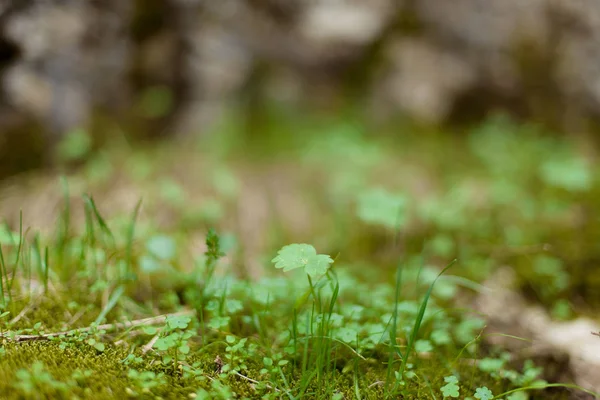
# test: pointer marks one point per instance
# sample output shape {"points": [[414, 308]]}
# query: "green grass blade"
{"points": [[129, 241], [112, 302], [89, 201], [19, 249], [63, 233], [3, 277], [393, 329], [417, 326], [40, 262], [47, 268]]}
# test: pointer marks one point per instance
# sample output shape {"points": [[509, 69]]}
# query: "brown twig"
{"points": [[106, 327], [148, 346], [255, 381]]}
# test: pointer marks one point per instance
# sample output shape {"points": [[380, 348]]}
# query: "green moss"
{"points": [[508, 195], [108, 373]]}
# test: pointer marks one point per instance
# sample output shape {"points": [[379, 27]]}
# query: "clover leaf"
{"points": [[570, 174], [293, 256], [450, 389], [318, 264], [162, 247], [347, 335], [305, 256], [483, 393], [381, 207], [164, 343], [178, 321]]}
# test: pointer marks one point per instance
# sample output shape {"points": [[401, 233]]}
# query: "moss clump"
{"points": [[66, 367], [359, 327]]}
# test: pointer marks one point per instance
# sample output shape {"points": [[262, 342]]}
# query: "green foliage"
{"points": [[378, 206], [75, 145], [36, 379], [517, 396], [571, 174], [172, 343], [213, 247], [450, 389], [144, 382], [162, 247], [305, 256], [503, 195], [483, 393]]}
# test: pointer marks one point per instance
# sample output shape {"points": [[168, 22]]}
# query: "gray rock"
{"points": [[72, 58], [77, 57]]}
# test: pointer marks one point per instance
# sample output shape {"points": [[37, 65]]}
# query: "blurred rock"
{"points": [[353, 23], [72, 58], [544, 53], [414, 83], [578, 46], [61, 61], [508, 312]]}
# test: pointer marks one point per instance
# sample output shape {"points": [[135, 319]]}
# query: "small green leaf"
{"points": [[233, 306], [423, 346], [172, 192], [218, 322], [491, 364], [8, 237], [521, 395], [380, 207], [162, 247], [150, 330], [561, 310], [571, 174], [441, 336], [202, 394], [451, 388], [318, 264], [75, 145], [184, 349], [302, 256], [293, 256], [178, 321], [163, 344], [483, 393], [347, 335], [149, 265]]}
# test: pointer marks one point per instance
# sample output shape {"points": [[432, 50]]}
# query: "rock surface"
{"points": [[508, 313], [62, 62]]}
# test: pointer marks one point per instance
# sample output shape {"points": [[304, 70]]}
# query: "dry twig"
{"points": [[106, 327]]}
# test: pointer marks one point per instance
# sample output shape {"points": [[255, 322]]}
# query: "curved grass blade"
{"points": [[418, 321]]}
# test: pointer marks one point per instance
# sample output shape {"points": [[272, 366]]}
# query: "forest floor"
{"points": [[324, 262]]}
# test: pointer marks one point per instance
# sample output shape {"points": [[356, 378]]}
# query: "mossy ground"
{"points": [[503, 194]]}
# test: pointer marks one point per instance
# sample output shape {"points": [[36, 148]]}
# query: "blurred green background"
{"points": [[378, 131], [296, 120]]}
